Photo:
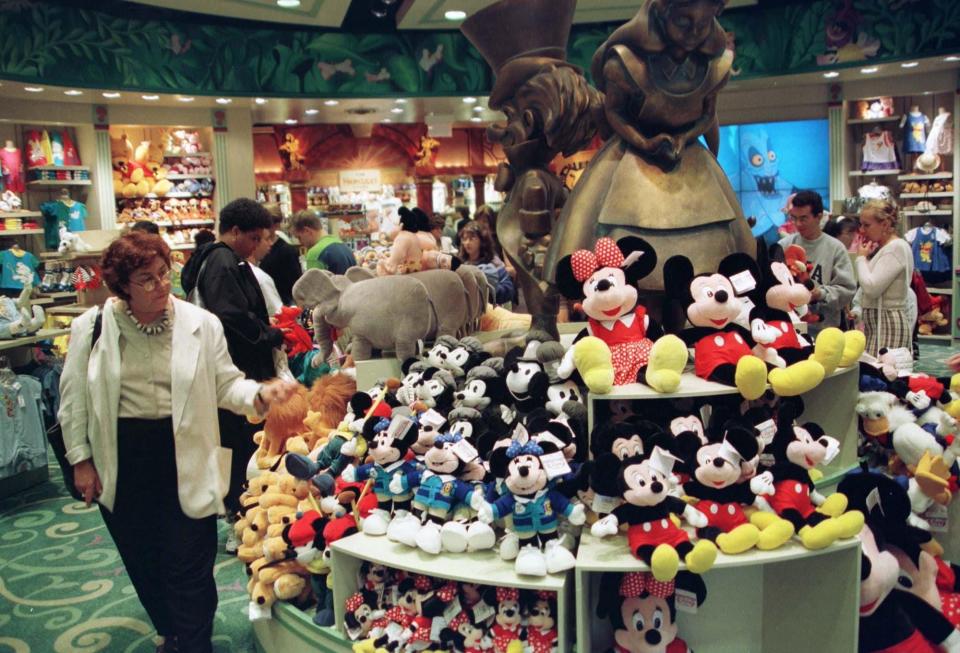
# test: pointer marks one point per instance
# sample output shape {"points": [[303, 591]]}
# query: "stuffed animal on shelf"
{"points": [[405, 252], [362, 611], [643, 611], [525, 378], [18, 317], [71, 242], [604, 281], [507, 628], [647, 509], [283, 421]]}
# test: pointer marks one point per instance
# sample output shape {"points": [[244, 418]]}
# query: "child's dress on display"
{"points": [[930, 257], [12, 165], [940, 138], [879, 152], [915, 132], [10, 260]]}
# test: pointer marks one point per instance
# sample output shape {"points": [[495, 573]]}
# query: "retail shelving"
{"points": [[874, 173], [922, 177], [920, 196], [872, 121], [8, 233], [59, 182], [42, 334], [20, 214]]}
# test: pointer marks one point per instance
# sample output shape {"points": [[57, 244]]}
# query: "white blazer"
{"points": [[204, 378]]}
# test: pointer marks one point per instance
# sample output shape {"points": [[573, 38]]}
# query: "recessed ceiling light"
{"points": [[454, 14], [185, 98], [910, 64], [469, 100], [260, 100], [288, 4], [396, 110], [476, 119], [478, 109], [224, 100], [400, 100], [870, 70], [331, 103], [33, 89], [952, 57], [312, 112], [386, 120], [73, 91], [111, 95], [151, 98], [831, 74], [291, 121]]}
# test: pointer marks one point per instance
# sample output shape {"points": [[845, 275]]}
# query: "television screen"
{"points": [[767, 162]]}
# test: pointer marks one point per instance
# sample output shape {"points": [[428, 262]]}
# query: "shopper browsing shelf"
{"points": [[884, 269], [141, 383], [476, 248], [282, 261], [324, 251], [832, 273], [269, 289]]}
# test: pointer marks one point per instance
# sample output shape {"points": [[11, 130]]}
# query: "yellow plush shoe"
{"points": [[702, 557], [849, 524], [835, 505], [775, 534], [820, 536], [593, 360], [955, 383], [664, 563], [742, 538], [854, 342], [796, 379], [751, 377], [829, 348], [668, 357]]}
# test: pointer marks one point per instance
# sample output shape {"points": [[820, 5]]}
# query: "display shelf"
{"points": [[872, 121], [292, 631], [20, 214], [484, 567], [175, 176], [8, 233], [42, 334], [935, 175], [176, 196], [56, 168], [182, 155], [41, 301], [184, 223], [784, 592], [183, 246], [916, 214], [72, 256], [68, 309], [920, 196], [939, 291], [874, 173], [59, 182], [58, 295], [935, 337]]}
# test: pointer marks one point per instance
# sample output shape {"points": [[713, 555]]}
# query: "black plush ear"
{"points": [[405, 365], [685, 446], [744, 441], [423, 221], [737, 263], [774, 254], [692, 583], [677, 275], [814, 429], [499, 462], [790, 409], [539, 383], [408, 221], [567, 284], [643, 265], [510, 360], [360, 403], [368, 425]]}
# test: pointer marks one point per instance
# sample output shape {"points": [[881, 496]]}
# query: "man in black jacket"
{"points": [[227, 288], [282, 261]]}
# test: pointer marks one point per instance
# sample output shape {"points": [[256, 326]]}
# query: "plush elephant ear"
{"points": [[677, 275], [357, 274], [631, 246], [313, 288], [567, 284]]}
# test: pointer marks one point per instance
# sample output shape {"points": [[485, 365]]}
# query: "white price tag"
{"points": [[465, 451], [394, 595], [873, 500], [452, 610], [482, 611], [21, 402], [748, 305], [766, 430], [604, 505], [438, 624], [767, 460], [938, 518], [555, 464], [686, 601], [743, 282], [399, 427], [432, 418]]}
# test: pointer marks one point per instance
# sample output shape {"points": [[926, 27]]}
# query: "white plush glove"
{"points": [[396, 484], [485, 513], [578, 515], [566, 366], [606, 526], [918, 400], [349, 474], [762, 484], [476, 499], [952, 643], [331, 506], [763, 333], [918, 521], [694, 517], [406, 395], [349, 448]]}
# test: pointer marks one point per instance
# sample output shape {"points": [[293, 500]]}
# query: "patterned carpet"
{"points": [[64, 590]]}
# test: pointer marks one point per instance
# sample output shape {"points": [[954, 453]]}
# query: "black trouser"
{"points": [[236, 434], [168, 556]]}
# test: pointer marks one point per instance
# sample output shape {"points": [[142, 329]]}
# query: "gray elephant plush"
{"points": [[391, 312], [18, 318]]}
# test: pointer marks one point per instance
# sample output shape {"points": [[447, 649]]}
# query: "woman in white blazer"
{"points": [[139, 416]]}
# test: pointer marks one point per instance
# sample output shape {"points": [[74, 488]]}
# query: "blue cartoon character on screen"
{"points": [[760, 173]]}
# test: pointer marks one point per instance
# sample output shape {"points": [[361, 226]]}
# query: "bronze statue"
{"points": [[549, 108]]}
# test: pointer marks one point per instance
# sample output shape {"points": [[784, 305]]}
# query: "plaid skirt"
{"points": [[889, 329]]}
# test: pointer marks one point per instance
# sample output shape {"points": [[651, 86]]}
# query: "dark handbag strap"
{"points": [[97, 327]]}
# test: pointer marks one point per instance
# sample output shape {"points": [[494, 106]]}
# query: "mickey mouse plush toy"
{"points": [[722, 348], [643, 610], [605, 282], [652, 535]]}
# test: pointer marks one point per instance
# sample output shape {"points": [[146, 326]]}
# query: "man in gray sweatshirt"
{"points": [[832, 274]]}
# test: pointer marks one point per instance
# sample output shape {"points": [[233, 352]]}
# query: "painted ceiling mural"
{"points": [[128, 46]]}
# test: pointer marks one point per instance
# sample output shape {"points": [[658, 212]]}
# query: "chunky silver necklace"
{"points": [[155, 328]]}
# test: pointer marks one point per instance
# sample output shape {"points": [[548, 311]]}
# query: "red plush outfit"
{"points": [[541, 641], [655, 533], [722, 347], [628, 342], [502, 636], [949, 598], [789, 339], [913, 644], [725, 516], [792, 494]]}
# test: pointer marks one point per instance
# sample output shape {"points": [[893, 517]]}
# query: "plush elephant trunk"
{"points": [[321, 333]]}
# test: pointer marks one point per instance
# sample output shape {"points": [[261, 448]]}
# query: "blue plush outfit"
{"points": [[533, 516], [383, 475], [437, 494]]}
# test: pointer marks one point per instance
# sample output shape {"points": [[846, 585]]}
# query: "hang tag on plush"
{"points": [[766, 431], [685, 600], [399, 427], [743, 282], [21, 402], [631, 258], [603, 504], [438, 624], [421, 347], [451, 611], [555, 464], [482, 611], [938, 518], [873, 501], [465, 451], [767, 460], [432, 418], [748, 305], [393, 631], [833, 449], [520, 434]]}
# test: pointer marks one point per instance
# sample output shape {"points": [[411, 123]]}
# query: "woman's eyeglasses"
{"points": [[151, 283]]}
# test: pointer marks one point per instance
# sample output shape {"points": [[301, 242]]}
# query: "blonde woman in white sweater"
{"points": [[884, 270]]}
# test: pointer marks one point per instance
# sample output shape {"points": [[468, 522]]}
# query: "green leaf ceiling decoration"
{"points": [[113, 44]]}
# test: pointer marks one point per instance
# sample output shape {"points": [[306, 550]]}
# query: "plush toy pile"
{"points": [[396, 611]]}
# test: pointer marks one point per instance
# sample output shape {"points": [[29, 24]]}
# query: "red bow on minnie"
{"points": [[605, 254], [635, 583], [354, 602], [507, 594]]}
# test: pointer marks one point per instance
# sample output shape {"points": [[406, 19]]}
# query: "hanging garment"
{"points": [[24, 445], [940, 138], [12, 165], [929, 255], [10, 260], [879, 152], [915, 132]]}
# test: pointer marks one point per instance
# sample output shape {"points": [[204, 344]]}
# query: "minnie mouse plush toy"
{"points": [[605, 282]]}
